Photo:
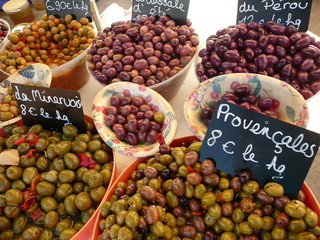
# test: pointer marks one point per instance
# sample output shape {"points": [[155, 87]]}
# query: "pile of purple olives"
{"points": [[134, 120], [145, 52], [270, 49], [241, 96]]}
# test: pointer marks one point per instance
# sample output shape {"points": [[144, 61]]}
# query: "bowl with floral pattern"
{"points": [[291, 106], [153, 102], [35, 74]]}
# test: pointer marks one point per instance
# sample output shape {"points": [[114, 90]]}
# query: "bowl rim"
{"points": [[141, 150], [272, 80]]}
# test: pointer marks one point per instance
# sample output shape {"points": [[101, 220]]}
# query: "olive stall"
{"points": [[126, 176]]}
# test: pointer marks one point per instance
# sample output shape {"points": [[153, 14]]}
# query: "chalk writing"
{"points": [[238, 138], [176, 9], [50, 107], [284, 12], [79, 8]]}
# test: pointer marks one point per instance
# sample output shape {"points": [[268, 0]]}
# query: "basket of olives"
{"points": [[61, 43], [152, 51], [51, 182], [269, 49], [260, 93], [173, 196]]}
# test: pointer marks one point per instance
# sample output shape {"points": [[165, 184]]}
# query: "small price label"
{"points": [[77, 8], [272, 150], [52, 108]]}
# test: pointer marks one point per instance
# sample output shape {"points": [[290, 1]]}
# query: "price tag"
{"points": [[239, 139], [78, 8], [175, 9], [284, 12], [50, 107]]}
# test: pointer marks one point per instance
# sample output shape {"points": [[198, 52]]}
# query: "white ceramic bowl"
{"points": [[293, 108], [37, 73], [102, 100]]}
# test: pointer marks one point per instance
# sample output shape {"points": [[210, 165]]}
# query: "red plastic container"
{"points": [[86, 230], [310, 201]]}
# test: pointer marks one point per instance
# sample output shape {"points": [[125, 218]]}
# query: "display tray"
{"points": [[86, 230], [125, 175]]}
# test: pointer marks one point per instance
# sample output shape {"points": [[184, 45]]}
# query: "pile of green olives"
{"points": [[174, 196], [51, 40], [8, 106], [61, 178]]}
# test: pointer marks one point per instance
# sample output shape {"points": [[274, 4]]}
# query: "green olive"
{"points": [[45, 188], [19, 223], [51, 219], [14, 172], [297, 225], [48, 204], [83, 201], [305, 236], [12, 211], [255, 221], [46, 234], [14, 196], [69, 131], [98, 193], [66, 176], [70, 205], [71, 160], [278, 232], [124, 233], [225, 223], [64, 224], [19, 184], [62, 147], [4, 183], [78, 146], [32, 233], [95, 180], [274, 189], [67, 233], [295, 209]]}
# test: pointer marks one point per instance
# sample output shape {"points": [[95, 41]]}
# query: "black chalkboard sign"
{"points": [[77, 8], [285, 12], [175, 9], [50, 107], [239, 139]]}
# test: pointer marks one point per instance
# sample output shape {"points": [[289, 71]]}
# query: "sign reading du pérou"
{"points": [[273, 150], [284, 12]]}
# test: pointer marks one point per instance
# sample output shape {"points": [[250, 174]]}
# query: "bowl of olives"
{"points": [[57, 184], [133, 119], [152, 51], [61, 43], [35, 74], [260, 93], [269, 49], [171, 195]]}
